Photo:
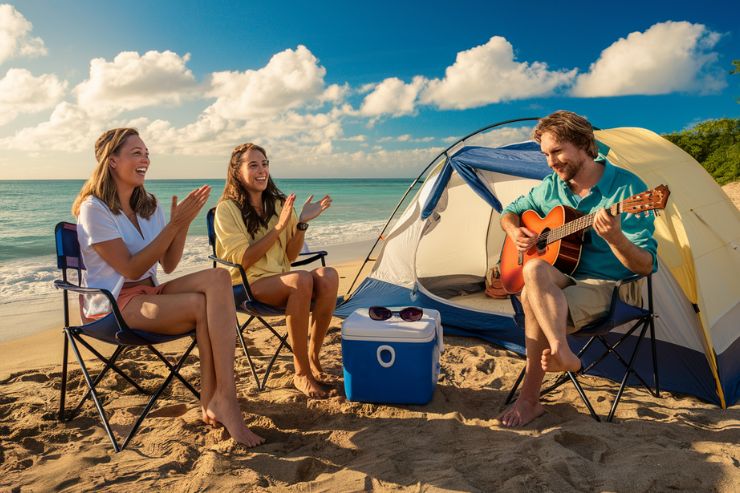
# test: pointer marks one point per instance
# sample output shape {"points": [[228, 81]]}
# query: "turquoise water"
{"points": [[30, 209]]}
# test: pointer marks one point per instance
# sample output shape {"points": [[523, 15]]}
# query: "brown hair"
{"points": [[236, 192], [101, 184], [568, 127]]}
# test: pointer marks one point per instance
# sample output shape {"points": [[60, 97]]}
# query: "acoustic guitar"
{"points": [[560, 235]]}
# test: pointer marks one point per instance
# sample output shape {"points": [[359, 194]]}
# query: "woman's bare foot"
{"points": [[562, 361], [229, 415], [207, 419], [521, 413], [309, 386]]}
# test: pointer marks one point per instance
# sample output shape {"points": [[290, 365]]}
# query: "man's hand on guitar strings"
{"points": [[524, 239]]}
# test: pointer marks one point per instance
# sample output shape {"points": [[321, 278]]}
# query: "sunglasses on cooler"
{"points": [[409, 314]]}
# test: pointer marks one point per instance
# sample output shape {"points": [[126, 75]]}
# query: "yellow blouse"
{"points": [[233, 239]]}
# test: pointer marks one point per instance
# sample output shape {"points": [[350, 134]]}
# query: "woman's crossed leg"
{"points": [[203, 300]]}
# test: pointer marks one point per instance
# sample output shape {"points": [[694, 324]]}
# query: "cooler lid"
{"points": [[359, 326]]}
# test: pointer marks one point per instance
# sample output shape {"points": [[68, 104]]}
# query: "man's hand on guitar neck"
{"points": [[609, 227]]}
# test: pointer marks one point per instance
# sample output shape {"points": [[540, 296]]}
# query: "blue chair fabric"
{"points": [[620, 313], [111, 329]]}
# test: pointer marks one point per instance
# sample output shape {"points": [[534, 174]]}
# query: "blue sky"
{"points": [[341, 89]]}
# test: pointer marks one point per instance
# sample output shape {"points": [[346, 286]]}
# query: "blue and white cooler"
{"points": [[391, 361]]}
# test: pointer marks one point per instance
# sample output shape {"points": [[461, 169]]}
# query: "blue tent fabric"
{"points": [[524, 160]]}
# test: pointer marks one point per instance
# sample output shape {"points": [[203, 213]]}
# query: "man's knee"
{"points": [[539, 272]]}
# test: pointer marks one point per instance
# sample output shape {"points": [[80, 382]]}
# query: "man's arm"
{"points": [[522, 237], [636, 259]]}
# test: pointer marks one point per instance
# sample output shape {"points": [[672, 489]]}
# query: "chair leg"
{"points": [[655, 356], [177, 373], [240, 335], [272, 362], [585, 400], [63, 393], [174, 372], [519, 379], [626, 374], [94, 395], [111, 362]]}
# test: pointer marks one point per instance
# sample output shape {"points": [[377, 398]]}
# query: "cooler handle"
{"points": [[380, 350]]}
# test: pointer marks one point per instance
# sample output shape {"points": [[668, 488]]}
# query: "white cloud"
{"points": [[21, 92], [14, 35], [69, 129], [133, 81], [501, 136], [490, 74], [392, 97], [668, 57], [291, 79]]}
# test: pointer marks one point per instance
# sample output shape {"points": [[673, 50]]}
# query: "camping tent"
{"points": [[438, 251]]}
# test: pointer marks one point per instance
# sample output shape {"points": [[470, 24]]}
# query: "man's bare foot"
{"points": [[310, 387], [230, 416], [521, 413], [564, 361]]}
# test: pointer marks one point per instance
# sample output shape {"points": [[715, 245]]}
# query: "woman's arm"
{"points": [[116, 254], [259, 248], [310, 211], [163, 248]]}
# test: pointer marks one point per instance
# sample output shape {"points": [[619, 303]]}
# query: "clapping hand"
{"points": [[311, 210], [184, 212], [285, 213]]}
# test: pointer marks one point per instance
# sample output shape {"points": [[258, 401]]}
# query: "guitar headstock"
{"points": [[654, 199]]}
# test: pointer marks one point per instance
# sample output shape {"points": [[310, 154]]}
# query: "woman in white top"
{"points": [[123, 234]]}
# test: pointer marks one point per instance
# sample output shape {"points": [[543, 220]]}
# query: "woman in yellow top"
{"points": [[256, 227]]}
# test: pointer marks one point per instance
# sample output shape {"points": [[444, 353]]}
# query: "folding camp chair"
{"points": [[111, 329], [246, 303], [619, 313]]}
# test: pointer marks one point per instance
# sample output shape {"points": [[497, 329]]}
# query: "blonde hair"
{"points": [[101, 184], [568, 127], [233, 190]]}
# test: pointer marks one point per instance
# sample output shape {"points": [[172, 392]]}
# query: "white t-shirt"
{"points": [[96, 224]]}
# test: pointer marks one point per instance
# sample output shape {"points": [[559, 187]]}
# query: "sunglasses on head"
{"points": [[409, 314]]}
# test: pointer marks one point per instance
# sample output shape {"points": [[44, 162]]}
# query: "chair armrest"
{"points": [[630, 279], [84, 290], [66, 286], [317, 255], [242, 273]]}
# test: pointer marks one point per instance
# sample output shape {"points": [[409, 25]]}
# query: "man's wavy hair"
{"points": [[101, 184], [234, 190], [568, 127]]}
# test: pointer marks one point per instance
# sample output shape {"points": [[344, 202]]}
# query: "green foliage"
{"points": [[715, 144]]}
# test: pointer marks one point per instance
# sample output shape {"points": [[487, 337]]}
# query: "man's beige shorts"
{"points": [[589, 299]]}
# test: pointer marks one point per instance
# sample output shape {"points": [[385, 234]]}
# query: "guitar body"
{"points": [[563, 254]]}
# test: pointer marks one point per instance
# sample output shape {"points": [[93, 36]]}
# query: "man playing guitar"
{"points": [[556, 304]]}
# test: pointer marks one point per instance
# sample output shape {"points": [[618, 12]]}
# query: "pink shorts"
{"points": [[127, 294], [124, 297]]}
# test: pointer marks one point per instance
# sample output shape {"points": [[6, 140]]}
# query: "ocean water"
{"points": [[29, 210]]}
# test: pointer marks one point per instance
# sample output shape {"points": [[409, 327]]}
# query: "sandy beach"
{"points": [[452, 444]]}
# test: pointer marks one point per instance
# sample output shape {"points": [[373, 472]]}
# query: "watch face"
{"points": [[302, 226]]}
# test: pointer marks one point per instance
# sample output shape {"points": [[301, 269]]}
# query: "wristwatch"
{"points": [[302, 226]]}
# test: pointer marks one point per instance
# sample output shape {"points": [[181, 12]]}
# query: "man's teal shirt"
{"points": [[597, 260]]}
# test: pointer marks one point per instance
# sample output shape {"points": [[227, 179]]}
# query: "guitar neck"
{"points": [[578, 225]]}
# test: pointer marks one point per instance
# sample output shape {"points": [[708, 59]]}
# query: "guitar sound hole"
{"points": [[542, 241]]}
